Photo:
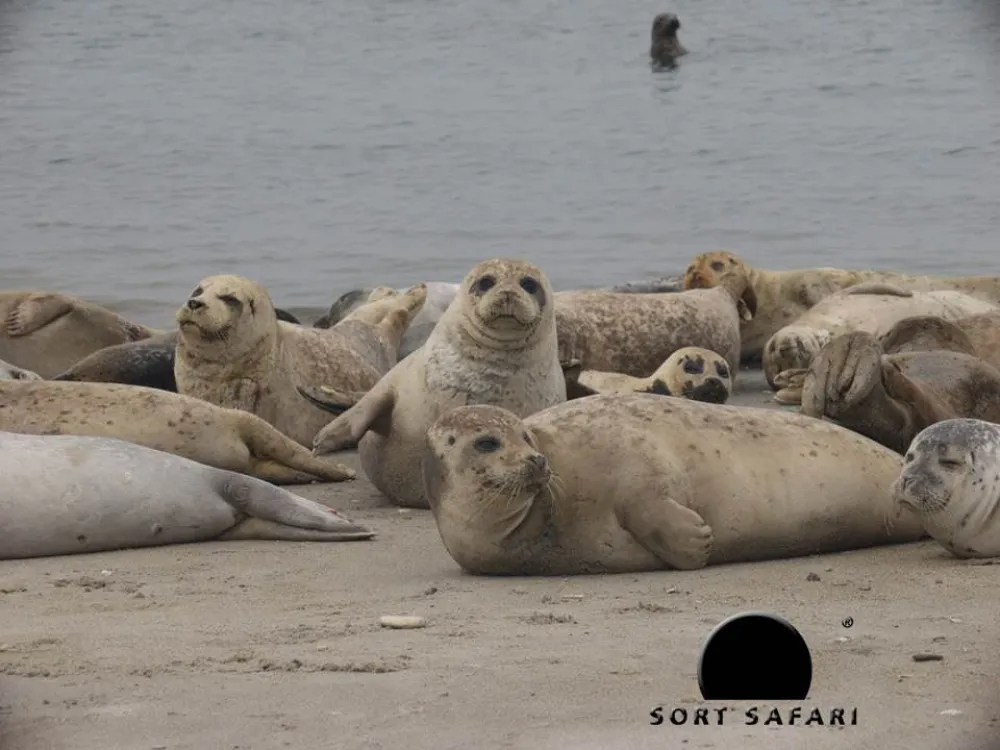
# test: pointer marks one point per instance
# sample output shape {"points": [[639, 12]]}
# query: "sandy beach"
{"points": [[254, 646]]}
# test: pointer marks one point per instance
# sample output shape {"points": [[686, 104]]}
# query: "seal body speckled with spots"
{"points": [[691, 372], [634, 334], [47, 332], [892, 397], [232, 351], [623, 483], [783, 296], [496, 344], [186, 426], [951, 479], [66, 494]]}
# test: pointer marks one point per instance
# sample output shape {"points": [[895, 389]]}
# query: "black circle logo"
{"points": [[755, 656]]}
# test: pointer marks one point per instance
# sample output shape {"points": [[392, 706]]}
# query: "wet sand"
{"points": [[260, 645]]}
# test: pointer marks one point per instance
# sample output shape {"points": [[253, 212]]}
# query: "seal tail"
{"points": [[268, 444]]}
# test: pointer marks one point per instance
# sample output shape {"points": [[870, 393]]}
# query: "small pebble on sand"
{"points": [[401, 622], [928, 657]]}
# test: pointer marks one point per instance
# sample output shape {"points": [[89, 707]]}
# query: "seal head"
{"points": [[227, 318], [502, 309], [664, 46]]}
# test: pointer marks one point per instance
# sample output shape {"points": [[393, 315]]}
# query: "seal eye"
{"points": [[230, 300], [451, 440], [529, 285], [485, 284], [197, 292], [717, 266], [487, 444]]}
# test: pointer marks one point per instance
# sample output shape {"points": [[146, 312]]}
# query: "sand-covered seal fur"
{"points": [[951, 478], [691, 372], [225, 438], [495, 344], [233, 352], [635, 482], [67, 494]]}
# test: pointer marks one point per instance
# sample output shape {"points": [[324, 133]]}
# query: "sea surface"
{"points": [[321, 146]]}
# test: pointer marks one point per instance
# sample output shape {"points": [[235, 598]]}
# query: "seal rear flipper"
{"points": [[36, 311], [878, 287], [675, 534], [259, 529]]}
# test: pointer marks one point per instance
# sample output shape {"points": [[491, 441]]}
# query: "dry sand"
{"points": [[278, 645]]}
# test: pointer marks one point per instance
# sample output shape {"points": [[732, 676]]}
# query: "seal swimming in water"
{"points": [[69, 494], [664, 47], [951, 478], [496, 343], [623, 483]]}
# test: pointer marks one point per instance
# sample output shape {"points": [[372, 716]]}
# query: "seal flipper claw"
{"points": [[34, 312]]}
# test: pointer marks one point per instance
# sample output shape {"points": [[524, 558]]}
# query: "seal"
{"points": [[11, 372], [891, 397], [951, 478], [495, 344], [664, 48], [440, 294], [978, 335], [647, 286], [634, 334], [691, 372], [233, 352], [47, 332], [67, 494], [536, 496], [783, 296], [870, 306], [171, 422]]}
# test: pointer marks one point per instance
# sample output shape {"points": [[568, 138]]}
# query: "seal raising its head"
{"points": [[951, 477], [664, 47]]}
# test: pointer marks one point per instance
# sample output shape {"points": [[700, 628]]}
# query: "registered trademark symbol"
{"points": [[847, 622]]}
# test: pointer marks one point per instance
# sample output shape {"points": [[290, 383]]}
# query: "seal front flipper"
{"points": [[677, 535], [372, 412], [35, 311], [789, 384], [878, 287], [329, 399]]}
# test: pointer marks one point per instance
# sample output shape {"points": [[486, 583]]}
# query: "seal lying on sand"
{"points": [[783, 296], [233, 352], [873, 307], [634, 334], [613, 484], [63, 495], [664, 47], [189, 427], [10, 372], [439, 295], [495, 344], [978, 335], [892, 397], [148, 363], [691, 372], [47, 332], [951, 478]]}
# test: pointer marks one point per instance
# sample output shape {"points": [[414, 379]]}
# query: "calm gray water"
{"points": [[317, 146]]}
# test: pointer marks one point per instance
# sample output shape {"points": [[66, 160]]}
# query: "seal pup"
{"points": [[622, 483], [870, 306], [891, 397], [951, 478], [664, 47], [67, 494], [783, 296], [47, 332], [691, 372], [634, 334], [11, 372], [232, 351], [495, 344], [439, 295], [186, 426]]}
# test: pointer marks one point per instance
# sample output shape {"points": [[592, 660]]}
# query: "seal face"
{"points": [[951, 477], [664, 46]]}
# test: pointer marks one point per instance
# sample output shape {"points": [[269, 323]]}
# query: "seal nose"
{"points": [[195, 304], [539, 461]]}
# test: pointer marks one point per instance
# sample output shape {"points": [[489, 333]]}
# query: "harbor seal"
{"points": [[47, 332], [664, 47], [11, 372], [691, 372], [186, 426], [621, 483], [439, 295], [233, 352], [67, 494], [891, 397], [951, 478], [978, 335], [496, 344], [870, 306], [634, 334], [648, 286], [783, 296]]}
